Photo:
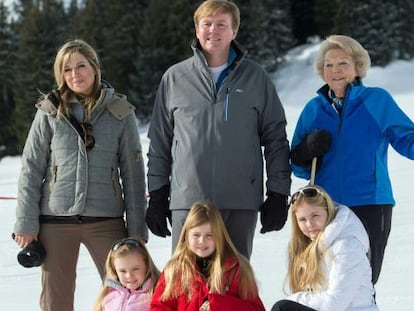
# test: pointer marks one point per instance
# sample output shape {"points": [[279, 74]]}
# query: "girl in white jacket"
{"points": [[131, 276], [328, 262]]}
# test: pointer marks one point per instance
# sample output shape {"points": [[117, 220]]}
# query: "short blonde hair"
{"points": [[210, 7], [351, 47]]}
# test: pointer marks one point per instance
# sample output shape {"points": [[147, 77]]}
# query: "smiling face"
{"points": [[131, 270], [338, 71], [215, 34], [201, 240], [79, 74], [311, 219]]}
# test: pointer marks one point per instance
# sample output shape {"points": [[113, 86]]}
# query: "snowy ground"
{"points": [[296, 83]]}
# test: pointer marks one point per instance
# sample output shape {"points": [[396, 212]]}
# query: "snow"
{"points": [[296, 83]]}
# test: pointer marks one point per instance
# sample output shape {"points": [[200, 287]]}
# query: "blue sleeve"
{"points": [[396, 126]]}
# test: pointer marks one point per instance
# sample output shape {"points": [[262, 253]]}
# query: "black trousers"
{"points": [[288, 305], [377, 221]]}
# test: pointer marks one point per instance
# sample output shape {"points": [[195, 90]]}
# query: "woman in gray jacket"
{"points": [[82, 142]]}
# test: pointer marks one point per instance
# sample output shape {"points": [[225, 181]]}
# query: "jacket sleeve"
{"points": [[35, 158], [345, 275], [396, 126], [272, 130], [304, 125], [160, 134], [133, 178]]}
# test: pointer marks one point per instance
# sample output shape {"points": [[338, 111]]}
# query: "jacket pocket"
{"points": [[53, 176], [117, 187]]}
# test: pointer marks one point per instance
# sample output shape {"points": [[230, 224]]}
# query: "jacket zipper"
{"points": [[226, 104]]}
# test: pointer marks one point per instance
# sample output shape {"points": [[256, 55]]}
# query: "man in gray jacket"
{"points": [[212, 115]]}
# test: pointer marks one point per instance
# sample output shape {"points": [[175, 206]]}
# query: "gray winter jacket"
{"points": [[207, 143], [59, 177]]}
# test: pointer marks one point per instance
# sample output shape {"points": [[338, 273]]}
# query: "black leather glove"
{"points": [[315, 144], [273, 212], [159, 211]]}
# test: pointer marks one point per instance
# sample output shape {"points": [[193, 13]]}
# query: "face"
{"points": [[338, 71], [131, 270], [79, 74], [201, 240], [215, 34], [311, 219]]}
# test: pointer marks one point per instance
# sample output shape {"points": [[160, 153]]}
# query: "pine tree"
{"points": [[39, 33], [325, 16], [7, 138], [404, 32], [303, 20], [373, 24], [164, 40], [276, 33], [251, 32]]}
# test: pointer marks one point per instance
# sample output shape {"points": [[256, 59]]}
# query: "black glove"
{"points": [[315, 144], [273, 212], [159, 211]]}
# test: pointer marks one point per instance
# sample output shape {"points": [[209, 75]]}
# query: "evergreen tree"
{"points": [[372, 23], [122, 21], [7, 138], [404, 32], [325, 16], [164, 40], [90, 24], [251, 32], [39, 31], [276, 33], [303, 20]]}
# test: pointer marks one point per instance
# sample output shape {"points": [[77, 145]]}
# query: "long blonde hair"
{"points": [[180, 271], [303, 254], [120, 249], [62, 57]]}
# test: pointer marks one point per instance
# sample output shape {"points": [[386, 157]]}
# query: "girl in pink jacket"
{"points": [[131, 276]]}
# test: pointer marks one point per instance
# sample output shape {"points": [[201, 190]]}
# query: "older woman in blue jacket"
{"points": [[349, 127]]}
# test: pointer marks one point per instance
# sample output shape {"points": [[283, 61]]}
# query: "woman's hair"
{"points": [[210, 7], [62, 57], [122, 248], [180, 271], [303, 253], [351, 47]]}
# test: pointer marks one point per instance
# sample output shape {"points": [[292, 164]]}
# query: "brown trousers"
{"points": [[62, 243]]}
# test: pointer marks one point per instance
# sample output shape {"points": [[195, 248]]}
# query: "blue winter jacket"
{"points": [[354, 171]]}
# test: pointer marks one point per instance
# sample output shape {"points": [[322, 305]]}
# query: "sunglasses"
{"points": [[88, 137], [307, 192], [129, 242]]}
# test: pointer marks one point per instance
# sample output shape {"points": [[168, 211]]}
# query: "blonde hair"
{"points": [[351, 47], [62, 57], [180, 270], [210, 7], [123, 250], [303, 253]]}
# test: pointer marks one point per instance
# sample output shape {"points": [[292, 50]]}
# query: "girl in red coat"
{"points": [[206, 272]]}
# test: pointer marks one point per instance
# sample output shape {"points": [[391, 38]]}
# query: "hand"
{"points": [[273, 212], [315, 144], [24, 240], [205, 306], [158, 212]]}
